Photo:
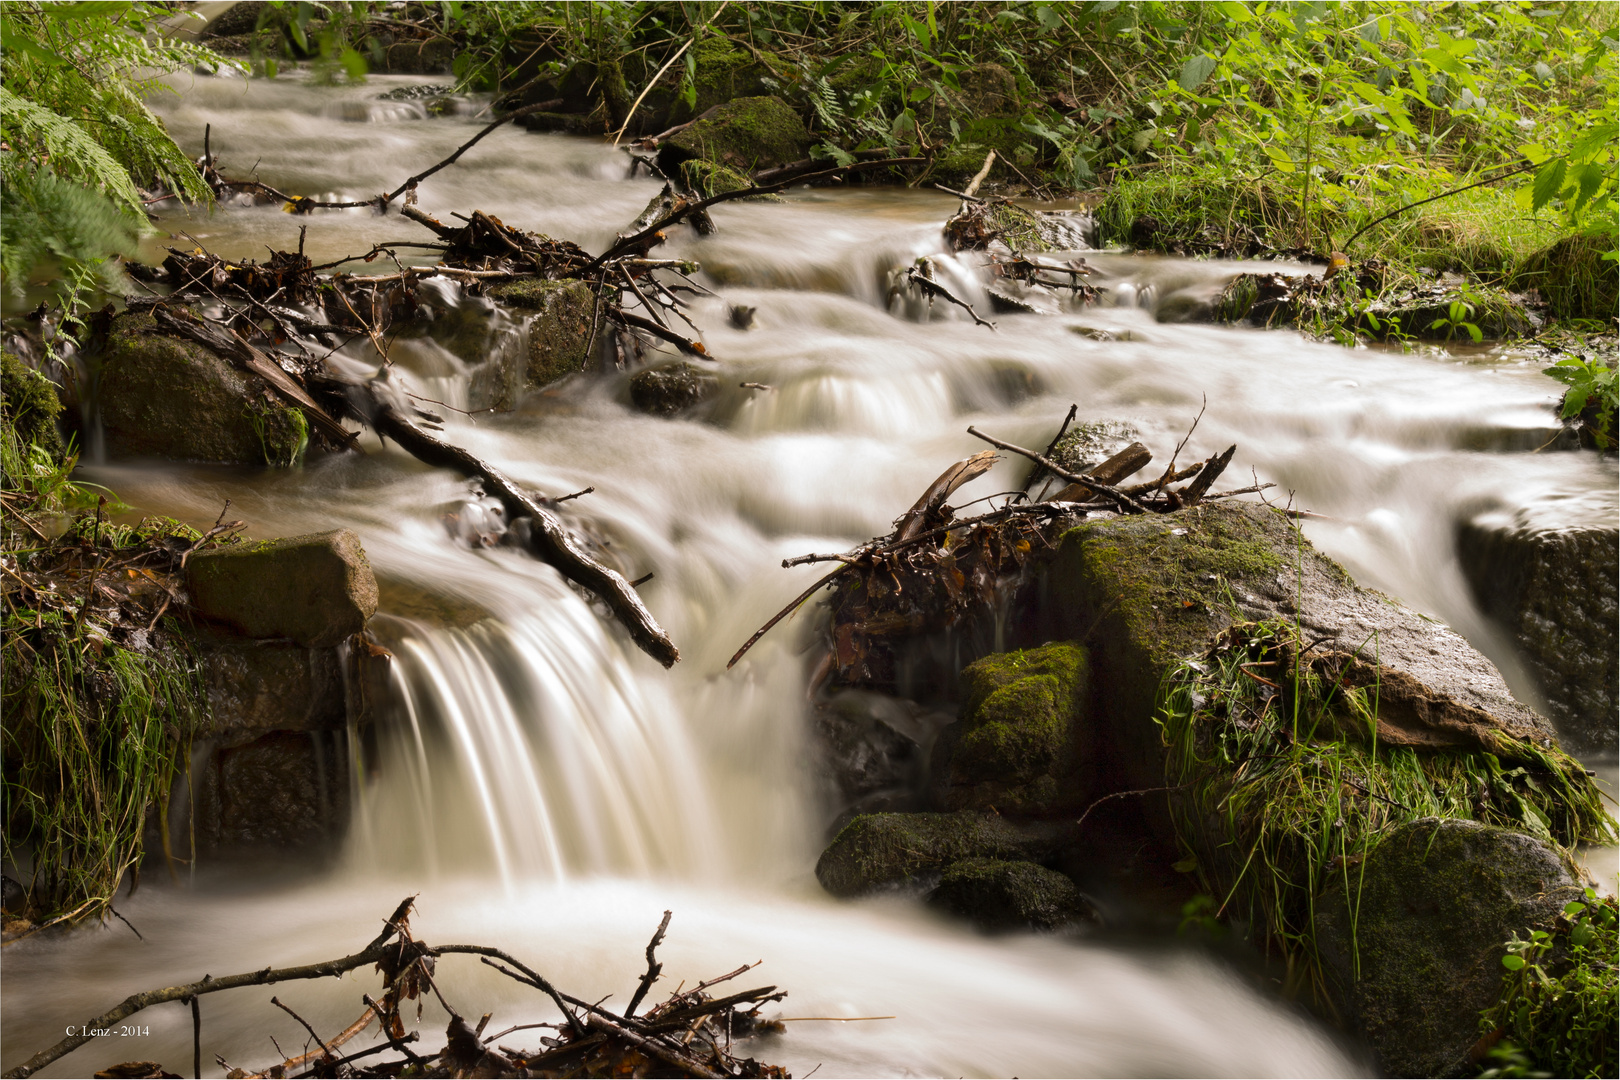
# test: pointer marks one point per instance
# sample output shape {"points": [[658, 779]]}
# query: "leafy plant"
{"points": [[1456, 318], [1593, 395], [1560, 1003]]}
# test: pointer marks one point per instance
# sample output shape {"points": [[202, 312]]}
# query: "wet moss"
{"points": [[723, 72], [1019, 726], [709, 178], [30, 406], [1000, 895], [892, 851], [560, 332], [747, 134]]}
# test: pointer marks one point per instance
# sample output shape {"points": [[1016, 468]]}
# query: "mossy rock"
{"points": [[710, 178], [724, 72], [975, 138], [560, 332], [1023, 716], [746, 134], [1574, 279], [875, 852], [317, 590], [29, 405], [998, 895], [672, 388], [1321, 306], [166, 397], [1415, 949], [1144, 592]]}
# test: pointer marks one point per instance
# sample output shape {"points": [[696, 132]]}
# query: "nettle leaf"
{"points": [[1195, 71], [1548, 183]]}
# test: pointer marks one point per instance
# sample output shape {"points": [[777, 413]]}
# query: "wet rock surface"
{"points": [[285, 790], [559, 332], [1547, 574], [878, 852], [316, 589], [1421, 949], [746, 134], [997, 895], [160, 396], [671, 388]]}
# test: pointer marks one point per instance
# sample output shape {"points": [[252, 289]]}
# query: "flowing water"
{"points": [[546, 787]]}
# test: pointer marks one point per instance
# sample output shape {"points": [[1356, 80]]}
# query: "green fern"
{"points": [[49, 218], [36, 132]]}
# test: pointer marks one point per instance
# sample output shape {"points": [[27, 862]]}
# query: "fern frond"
{"points": [[36, 132]]}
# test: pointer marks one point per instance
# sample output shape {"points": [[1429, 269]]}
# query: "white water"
{"points": [[550, 789]]}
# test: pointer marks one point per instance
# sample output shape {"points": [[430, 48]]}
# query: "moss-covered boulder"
{"points": [[316, 589], [998, 895], [1415, 947], [1016, 747], [162, 396], [672, 388], [1144, 592], [1433, 311], [1552, 584], [29, 406], [722, 72], [746, 134], [560, 331], [875, 852]]}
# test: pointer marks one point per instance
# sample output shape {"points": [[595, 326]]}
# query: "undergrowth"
{"points": [[1281, 791], [1560, 1004]]}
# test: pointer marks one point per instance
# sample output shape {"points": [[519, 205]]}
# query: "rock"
{"points": [[1185, 306], [997, 895], [874, 748], [1015, 748], [723, 72], [30, 406], [316, 589], [1437, 899], [285, 790], [260, 686], [560, 332], [161, 396], [1551, 584], [1145, 591], [746, 134], [893, 851], [1411, 311], [669, 388]]}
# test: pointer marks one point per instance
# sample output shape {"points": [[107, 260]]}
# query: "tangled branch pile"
{"points": [[690, 1034]]}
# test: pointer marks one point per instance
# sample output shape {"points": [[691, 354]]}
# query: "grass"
{"points": [[1281, 790]]}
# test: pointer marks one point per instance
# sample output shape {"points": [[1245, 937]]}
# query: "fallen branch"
{"points": [[1124, 500]]}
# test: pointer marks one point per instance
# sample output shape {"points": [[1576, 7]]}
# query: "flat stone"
{"points": [[259, 686], [316, 589]]}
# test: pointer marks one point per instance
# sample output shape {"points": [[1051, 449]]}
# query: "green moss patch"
{"points": [[746, 134], [888, 851], [1020, 724], [30, 405]]}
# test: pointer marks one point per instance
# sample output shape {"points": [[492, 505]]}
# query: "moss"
{"points": [[165, 397], [560, 332], [1020, 722], [1573, 278], [723, 72], [999, 895], [885, 851], [709, 178], [746, 134], [29, 404]]}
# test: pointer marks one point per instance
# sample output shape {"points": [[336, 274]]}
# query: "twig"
{"points": [[634, 105], [654, 968], [1057, 470], [780, 615], [284, 1007], [1121, 795], [1051, 447], [1444, 194]]}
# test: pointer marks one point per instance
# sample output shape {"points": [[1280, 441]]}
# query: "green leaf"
{"points": [[1548, 183], [1512, 962], [1574, 907], [1474, 332], [1195, 71], [1443, 60]]}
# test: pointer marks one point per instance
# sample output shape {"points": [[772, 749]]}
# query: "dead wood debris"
{"points": [[692, 1033], [936, 571]]}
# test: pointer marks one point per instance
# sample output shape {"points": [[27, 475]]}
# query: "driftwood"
{"points": [[936, 571], [682, 1036]]}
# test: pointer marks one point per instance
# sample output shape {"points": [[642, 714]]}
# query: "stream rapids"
{"points": [[548, 789]]}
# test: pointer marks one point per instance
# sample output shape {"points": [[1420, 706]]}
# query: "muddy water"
{"points": [[546, 786]]}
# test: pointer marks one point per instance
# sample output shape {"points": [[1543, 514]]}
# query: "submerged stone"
{"points": [[998, 895], [894, 851], [162, 396], [316, 589], [671, 388], [1415, 944]]}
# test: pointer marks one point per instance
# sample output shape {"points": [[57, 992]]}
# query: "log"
{"points": [[547, 537]]}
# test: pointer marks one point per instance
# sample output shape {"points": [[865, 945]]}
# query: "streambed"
{"points": [[552, 790]]}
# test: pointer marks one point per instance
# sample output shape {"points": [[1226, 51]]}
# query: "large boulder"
{"points": [[560, 330], [746, 134], [998, 895], [876, 852], [722, 72], [1145, 592], [286, 790], [1549, 577], [162, 396], [1415, 953], [316, 589], [1015, 749]]}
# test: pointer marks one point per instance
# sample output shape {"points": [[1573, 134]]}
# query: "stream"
{"points": [[549, 789]]}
